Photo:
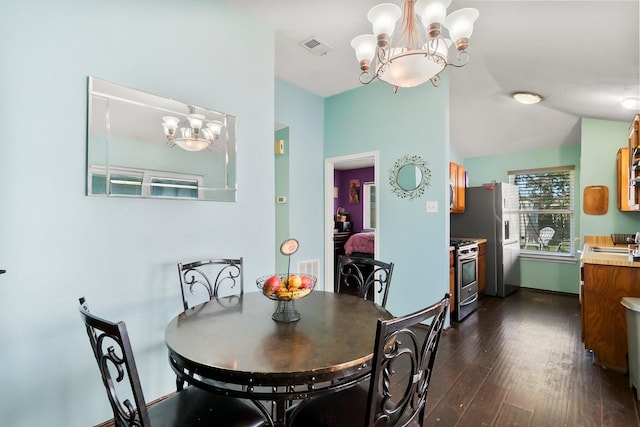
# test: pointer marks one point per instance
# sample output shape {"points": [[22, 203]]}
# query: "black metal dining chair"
{"points": [[206, 279], [364, 277], [396, 393], [189, 407]]}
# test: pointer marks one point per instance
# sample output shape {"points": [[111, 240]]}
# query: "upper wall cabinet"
{"points": [[634, 164], [144, 145], [622, 196], [457, 185]]}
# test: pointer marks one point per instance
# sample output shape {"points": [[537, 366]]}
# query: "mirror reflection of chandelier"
{"points": [[416, 51], [194, 133]]}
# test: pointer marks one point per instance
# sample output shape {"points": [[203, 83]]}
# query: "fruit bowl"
{"points": [[285, 289], [278, 288]]}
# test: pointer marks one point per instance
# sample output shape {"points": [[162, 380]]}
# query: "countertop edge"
{"points": [[478, 241], [598, 258]]}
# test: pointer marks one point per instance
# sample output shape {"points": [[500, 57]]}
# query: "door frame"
{"points": [[351, 161]]}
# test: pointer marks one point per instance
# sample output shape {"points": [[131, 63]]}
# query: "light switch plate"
{"points": [[279, 146], [432, 206], [281, 199]]}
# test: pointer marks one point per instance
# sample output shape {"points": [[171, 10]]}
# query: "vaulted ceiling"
{"points": [[583, 57]]}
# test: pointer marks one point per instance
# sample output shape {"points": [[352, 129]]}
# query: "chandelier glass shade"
{"points": [[192, 134], [414, 52]]}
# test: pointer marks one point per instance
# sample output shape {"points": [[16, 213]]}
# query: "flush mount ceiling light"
{"points": [[192, 135], [526, 97], [415, 52], [631, 103]]}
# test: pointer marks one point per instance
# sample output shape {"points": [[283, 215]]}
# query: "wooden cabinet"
{"points": [[457, 181], [604, 327], [634, 164], [452, 281], [622, 196], [482, 266]]}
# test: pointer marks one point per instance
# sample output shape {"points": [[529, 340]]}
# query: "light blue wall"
{"points": [[482, 170], [303, 113], [548, 275], [282, 189], [600, 142], [415, 122], [595, 161], [58, 244]]}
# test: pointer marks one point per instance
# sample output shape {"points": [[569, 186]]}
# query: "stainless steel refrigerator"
{"points": [[491, 212]]}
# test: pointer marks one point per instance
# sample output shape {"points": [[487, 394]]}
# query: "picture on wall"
{"points": [[354, 191]]}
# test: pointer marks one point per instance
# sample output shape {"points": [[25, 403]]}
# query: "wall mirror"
{"points": [[409, 177], [144, 145]]}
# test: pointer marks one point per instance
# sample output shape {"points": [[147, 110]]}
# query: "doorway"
{"points": [[353, 161]]}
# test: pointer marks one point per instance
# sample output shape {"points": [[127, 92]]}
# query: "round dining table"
{"points": [[232, 346]]}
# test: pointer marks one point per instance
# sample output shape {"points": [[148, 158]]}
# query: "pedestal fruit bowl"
{"points": [[285, 289]]}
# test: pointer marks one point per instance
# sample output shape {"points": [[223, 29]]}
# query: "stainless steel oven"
{"points": [[466, 290]]}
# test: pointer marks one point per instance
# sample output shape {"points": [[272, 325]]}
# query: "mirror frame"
{"points": [[125, 133], [425, 181]]}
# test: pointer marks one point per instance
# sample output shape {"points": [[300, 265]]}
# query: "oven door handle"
{"points": [[475, 298]]}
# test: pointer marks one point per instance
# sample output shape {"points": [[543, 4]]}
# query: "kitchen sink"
{"points": [[611, 250]]}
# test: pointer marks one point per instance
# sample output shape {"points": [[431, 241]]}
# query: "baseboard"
{"points": [[112, 422], [550, 291]]}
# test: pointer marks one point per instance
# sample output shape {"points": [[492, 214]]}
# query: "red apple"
{"points": [[305, 282], [271, 285]]}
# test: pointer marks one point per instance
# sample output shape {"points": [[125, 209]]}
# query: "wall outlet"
{"points": [[281, 199], [432, 206]]}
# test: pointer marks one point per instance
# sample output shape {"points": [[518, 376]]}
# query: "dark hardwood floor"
{"points": [[520, 361]]}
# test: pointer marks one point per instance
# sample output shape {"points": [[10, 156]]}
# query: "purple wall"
{"points": [[342, 179]]}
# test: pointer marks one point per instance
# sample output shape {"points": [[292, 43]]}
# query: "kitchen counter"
{"points": [[604, 253], [607, 276], [478, 241]]}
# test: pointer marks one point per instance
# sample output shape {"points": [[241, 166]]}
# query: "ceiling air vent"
{"points": [[315, 46]]}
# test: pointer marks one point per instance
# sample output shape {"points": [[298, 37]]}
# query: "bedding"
{"points": [[360, 242]]}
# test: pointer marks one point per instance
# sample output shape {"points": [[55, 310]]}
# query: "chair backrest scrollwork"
{"points": [[216, 277], [365, 276], [114, 355], [401, 400]]}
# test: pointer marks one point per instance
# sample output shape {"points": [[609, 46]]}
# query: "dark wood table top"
{"points": [[235, 339]]}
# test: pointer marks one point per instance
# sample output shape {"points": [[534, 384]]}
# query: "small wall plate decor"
{"points": [[409, 177]]}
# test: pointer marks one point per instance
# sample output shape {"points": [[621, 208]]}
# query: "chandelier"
{"points": [[416, 51], [190, 135]]}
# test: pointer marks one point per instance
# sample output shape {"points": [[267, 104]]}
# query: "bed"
{"points": [[360, 244]]}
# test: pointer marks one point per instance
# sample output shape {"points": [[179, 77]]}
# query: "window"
{"points": [[145, 183], [369, 201], [546, 210]]}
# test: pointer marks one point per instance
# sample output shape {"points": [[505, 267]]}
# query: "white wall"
{"points": [[57, 244]]}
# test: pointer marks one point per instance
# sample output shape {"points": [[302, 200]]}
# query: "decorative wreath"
{"points": [[425, 182]]}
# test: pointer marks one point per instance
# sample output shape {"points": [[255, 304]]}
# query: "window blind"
{"points": [[545, 190], [546, 209]]}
